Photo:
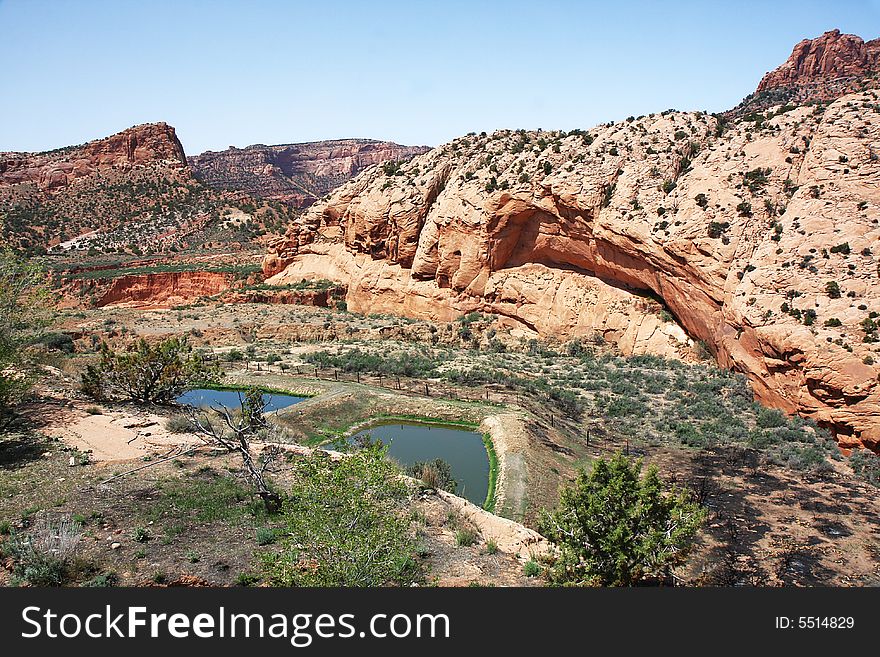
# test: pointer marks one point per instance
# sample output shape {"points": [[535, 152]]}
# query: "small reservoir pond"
{"points": [[463, 450], [199, 397]]}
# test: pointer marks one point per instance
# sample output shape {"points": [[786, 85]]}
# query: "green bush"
{"points": [[266, 536], [866, 465], [104, 580], [465, 537], [768, 418], [23, 310], [140, 534], [717, 229], [436, 474], [531, 568], [148, 373], [247, 579], [345, 524], [58, 342], [797, 456], [43, 556], [832, 289], [615, 527]]}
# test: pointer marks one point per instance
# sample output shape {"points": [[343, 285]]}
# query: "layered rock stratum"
{"points": [[296, 174], [759, 238], [142, 145]]}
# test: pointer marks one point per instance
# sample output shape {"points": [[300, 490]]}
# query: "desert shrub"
{"points": [[23, 298], [744, 209], [842, 248], [266, 536], [355, 360], [866, 465], [43, 556], [345, 524], [799, 456], [768, 418], [57, 342], [104, 580], [179, 424], [531, 568], [466, 536], [716, 229], [148, 373], [435, 474], [617, 527], [832, 289]]}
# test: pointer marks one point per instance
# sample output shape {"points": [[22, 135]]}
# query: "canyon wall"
{"points": [[296, 174], [739, 230], [155, 290], [141, 145]]}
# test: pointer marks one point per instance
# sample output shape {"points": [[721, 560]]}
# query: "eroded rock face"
{"points": [[148, 144], [164, 290], [828, 57], [295, 173], [738, 233]]}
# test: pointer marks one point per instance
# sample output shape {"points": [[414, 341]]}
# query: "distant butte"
{"points": [[297, 174]]}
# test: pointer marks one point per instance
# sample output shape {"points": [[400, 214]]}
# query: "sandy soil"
{"points": [[117, 434]]}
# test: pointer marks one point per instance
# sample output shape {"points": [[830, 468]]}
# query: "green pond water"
{"points": [[463, 450]]}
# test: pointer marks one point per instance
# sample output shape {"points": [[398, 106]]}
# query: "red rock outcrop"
{"points": [[148, 144], [163, 290], [563, 234], [297, 174], [828, 57]]}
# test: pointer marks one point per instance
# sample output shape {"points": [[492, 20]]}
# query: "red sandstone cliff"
{"points": [[828, 57], [561, 233], [148, 144]]}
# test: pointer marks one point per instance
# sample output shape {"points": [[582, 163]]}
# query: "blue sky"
{"points": [[237, 73]]}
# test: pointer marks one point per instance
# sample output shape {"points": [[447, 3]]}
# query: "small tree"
{"points": [[22, 311], [832, 289], [148, 373], [615, 527], [235, 433]]}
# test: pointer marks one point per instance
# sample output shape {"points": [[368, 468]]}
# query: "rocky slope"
{"points": [[152, 144], [131, 193], [759, 236], [296, 174], [132, 189]]}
